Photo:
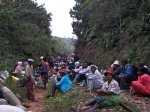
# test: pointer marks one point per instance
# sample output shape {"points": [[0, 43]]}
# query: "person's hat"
{"points": [[124, 61], [77, 63], [59, 68], [30, 60], [19, 63], [109, 70], [41, 57], [25, 63], [116, 62], [94, 66]]}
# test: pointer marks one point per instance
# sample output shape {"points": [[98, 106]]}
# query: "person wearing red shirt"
{"points": [[142, 85]]}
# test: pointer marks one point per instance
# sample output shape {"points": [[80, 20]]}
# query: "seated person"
{"points": [[94, 79], [107, 96], [85, 70], [116, 67], [55, 77], [63, 85], [126, 76], [142, 85]]}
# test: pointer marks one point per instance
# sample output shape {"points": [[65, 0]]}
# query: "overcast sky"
{"points": [[61, 20]]}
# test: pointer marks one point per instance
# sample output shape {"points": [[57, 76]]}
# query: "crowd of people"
{"points": [[62, 72]]}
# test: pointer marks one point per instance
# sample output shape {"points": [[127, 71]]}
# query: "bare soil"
{"points": [[38, 106]]}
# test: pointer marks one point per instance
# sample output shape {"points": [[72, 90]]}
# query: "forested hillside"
{"points": [[63, 46], [112, 29], [24, 31]]}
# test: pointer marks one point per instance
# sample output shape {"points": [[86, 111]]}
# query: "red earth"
{"points": [[38, 106]]}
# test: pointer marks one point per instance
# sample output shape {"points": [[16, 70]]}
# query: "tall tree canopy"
{"points": [[112, 29], [24, 30]]}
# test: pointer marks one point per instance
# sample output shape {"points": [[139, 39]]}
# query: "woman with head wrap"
{"points": [[94, 79], [18, 68]]}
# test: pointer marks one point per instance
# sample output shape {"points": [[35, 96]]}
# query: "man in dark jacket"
{"points": [[126, 75]]}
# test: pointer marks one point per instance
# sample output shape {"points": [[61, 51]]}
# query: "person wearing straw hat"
{"points": [[116, 67], [107, 96]]}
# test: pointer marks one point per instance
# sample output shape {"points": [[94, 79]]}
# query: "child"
{"points": [[107, 96]]}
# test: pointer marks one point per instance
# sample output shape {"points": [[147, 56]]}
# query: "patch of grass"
{"points": [[76, 96]]}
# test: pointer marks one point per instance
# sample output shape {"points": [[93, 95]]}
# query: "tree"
{"points": [[26, 27]]}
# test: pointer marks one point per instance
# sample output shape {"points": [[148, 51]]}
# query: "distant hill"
{"points": [[64, 45]]}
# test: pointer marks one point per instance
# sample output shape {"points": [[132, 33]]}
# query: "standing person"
{"points": [[142, 85], [107, 96], [30, 82], [94, 79], [51, 63], [44, 72]]}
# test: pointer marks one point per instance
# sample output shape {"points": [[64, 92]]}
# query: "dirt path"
{"points": [[38, 106], [141, 102]]}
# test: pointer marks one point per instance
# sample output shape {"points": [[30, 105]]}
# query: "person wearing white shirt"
{"points": [[94, 79], [82, 78]]}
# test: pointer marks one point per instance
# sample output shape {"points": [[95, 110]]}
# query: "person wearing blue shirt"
{"points": [[63, 85], [126, 75]]}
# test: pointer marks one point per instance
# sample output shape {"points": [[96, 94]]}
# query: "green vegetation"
{"points": [[74, 97], [64, 46], [24, 31], [112, 29]]}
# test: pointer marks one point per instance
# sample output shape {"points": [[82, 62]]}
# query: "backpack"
{"points": [[134, 72]]}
